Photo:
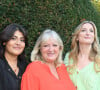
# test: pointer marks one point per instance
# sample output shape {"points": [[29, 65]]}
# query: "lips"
{"points": [[87, 37], [50, 53], [17, 48]]}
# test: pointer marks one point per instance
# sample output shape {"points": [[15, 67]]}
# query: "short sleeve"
{"points": [[29, 81]]}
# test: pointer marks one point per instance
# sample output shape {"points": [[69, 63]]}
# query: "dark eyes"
{"points": [[91, 30], [55, 45], [14, 38], [22, 40], [83, 30], [45, 45]]}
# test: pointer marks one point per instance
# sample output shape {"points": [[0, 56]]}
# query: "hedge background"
{"points": [[37, 15]]}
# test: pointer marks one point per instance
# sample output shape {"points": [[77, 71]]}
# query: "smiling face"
{"points": [[15, 45], [86, 34], [50, 50]]}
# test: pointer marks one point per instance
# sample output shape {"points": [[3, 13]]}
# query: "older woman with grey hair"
{"points": [[47, 71]]}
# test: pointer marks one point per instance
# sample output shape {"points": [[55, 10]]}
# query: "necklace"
{"points": [[16, 70]]}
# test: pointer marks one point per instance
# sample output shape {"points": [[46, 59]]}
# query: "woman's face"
{"points": [[86, 35], [15, 45], [50, 50]]}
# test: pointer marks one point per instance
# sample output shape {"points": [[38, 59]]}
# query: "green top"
{"points": [[86, 78]]}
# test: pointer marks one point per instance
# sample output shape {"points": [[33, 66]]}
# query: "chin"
{"points": [[87, 43], [52, 60], [17, 54]]}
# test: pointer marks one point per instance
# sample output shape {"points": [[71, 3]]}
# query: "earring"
{"points": [[4, 43]]}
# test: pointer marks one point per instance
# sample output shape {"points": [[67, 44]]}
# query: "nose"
{"points": [[50, 48], [87, 33], [18, 41]]}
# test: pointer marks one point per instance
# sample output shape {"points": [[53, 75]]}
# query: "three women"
{"points": [[47, 70]]}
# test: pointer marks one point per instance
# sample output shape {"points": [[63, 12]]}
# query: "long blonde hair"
{"points": [[36, 54], [94, 53]]}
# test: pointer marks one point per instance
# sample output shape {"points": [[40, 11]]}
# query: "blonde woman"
{"points": [[83, 61], [47, 71]]}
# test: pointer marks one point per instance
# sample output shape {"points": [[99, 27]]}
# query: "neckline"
{"points": [[84, 68], [47, 67], [9, 67]]}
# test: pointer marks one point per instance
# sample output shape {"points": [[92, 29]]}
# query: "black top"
{"points": [[8, 79]]}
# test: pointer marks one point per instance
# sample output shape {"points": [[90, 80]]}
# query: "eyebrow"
{"points": [[83, 28], [86, 28], [17, 36]]}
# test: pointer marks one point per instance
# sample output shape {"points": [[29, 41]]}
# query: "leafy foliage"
{"points": [[96, 4], [37, 15]]}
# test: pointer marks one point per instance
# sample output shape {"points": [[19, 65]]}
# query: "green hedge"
{"points": [[96, 4], [38, 15]]}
